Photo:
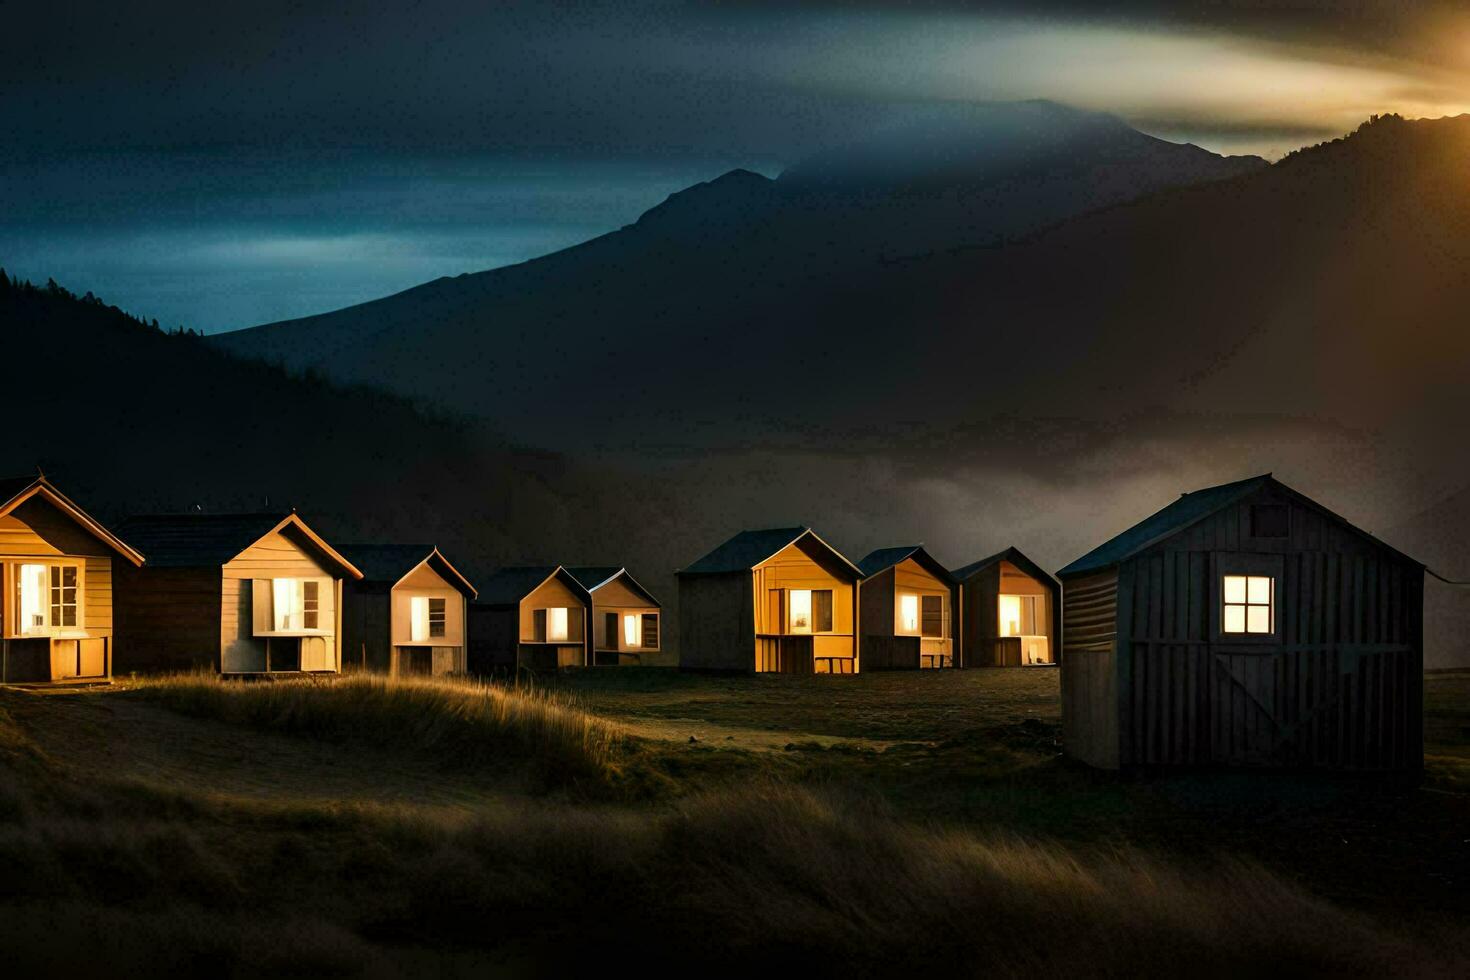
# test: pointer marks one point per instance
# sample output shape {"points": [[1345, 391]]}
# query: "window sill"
{"points": [[288, 634]]}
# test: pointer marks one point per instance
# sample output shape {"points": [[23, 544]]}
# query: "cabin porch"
{"points": [[416, 660], [49, 660], [798, 653]]}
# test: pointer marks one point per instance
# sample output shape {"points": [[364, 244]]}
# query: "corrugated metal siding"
{"points": [[1089, 669]]}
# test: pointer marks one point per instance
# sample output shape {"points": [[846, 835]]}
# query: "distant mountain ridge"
{"points": [[734, 257]]}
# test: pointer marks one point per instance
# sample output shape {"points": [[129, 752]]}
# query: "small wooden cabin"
{"points": [[242, 594], [626, 627], [908, 610], [1012, 612], [1244, 624], [57, 568], [408, 614], [534, 618], [779, 601]]}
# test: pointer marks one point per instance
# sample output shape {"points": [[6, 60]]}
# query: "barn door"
{"points": [[1246, 728], [1339, 708]]}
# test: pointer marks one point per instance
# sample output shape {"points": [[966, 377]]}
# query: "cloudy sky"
{"points": [[220, 168]]}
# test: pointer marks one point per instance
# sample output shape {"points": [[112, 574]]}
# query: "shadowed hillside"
{"points": [[163, 422], [732, 289], [1303, 318]]}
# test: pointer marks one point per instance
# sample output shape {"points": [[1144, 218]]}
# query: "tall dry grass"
{"points": [[466, 721], [767, 878]]}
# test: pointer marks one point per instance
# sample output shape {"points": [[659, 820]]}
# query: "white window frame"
{"points": [[1249, 565], [292, 588], [1246, 596], [47, 628]]}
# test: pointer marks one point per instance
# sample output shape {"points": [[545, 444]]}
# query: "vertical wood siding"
{"points": [[1342, 688]]}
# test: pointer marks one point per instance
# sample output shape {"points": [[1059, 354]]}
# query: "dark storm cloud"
{"points": [[666, 78]]}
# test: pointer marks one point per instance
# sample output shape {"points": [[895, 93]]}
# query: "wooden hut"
{"points": [[907, 612], [529, 617], [1012, 612], [1244, 624], [625, 618], [408, 614], [57, 569], [241, 594], [781, 601]]}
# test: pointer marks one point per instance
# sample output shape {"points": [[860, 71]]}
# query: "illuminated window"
{"points": [[632, 630], [425, 617], [800, 602], [1249, 602], [908, 614], [556, 624], [32, 586], [295, 604], [47, 598], [1010, 615]]}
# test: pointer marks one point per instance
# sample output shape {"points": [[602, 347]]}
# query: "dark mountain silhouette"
{"points": [[619, 332], [129, 419], [1305, 317]]}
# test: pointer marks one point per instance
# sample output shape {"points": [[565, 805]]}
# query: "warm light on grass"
{"points": [[470, 721]]}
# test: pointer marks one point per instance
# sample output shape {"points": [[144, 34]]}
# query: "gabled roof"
{"points": [[510, 585], [1188, 510], [1013, 555], [211, 540], [15, 491], [885, 558], [595, 577], [391, 562], [591, 576], [748, 549]]}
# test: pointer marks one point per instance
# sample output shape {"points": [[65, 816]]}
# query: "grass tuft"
{"points": [[467, 722]]}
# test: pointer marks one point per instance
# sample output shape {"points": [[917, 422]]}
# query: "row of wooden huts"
{"points": [[264, 594], [785, 601], [1243, 623]]}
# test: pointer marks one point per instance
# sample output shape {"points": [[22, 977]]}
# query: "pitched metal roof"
{"points": [[390, 562], [749, 548], [876, 561], [15, 491], [210, 540], [594, 577], [1013, 555], [196, 540], [965, 571], [1191, 508], [508, 586], [591, 576], [885, 558], [1188, 509]]}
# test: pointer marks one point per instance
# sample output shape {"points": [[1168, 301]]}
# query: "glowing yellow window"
{"points": [[632, 632], [1249, 604], [556, 624], [801, 610], [908, 613]]}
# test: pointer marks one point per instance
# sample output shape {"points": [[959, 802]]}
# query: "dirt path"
{"points": [[118, 735], [736, 736]]}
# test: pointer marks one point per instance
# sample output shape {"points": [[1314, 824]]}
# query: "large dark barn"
{"points": [[1244, 624]]}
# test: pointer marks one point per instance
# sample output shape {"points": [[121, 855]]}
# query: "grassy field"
{"points": [[852, 826]]}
